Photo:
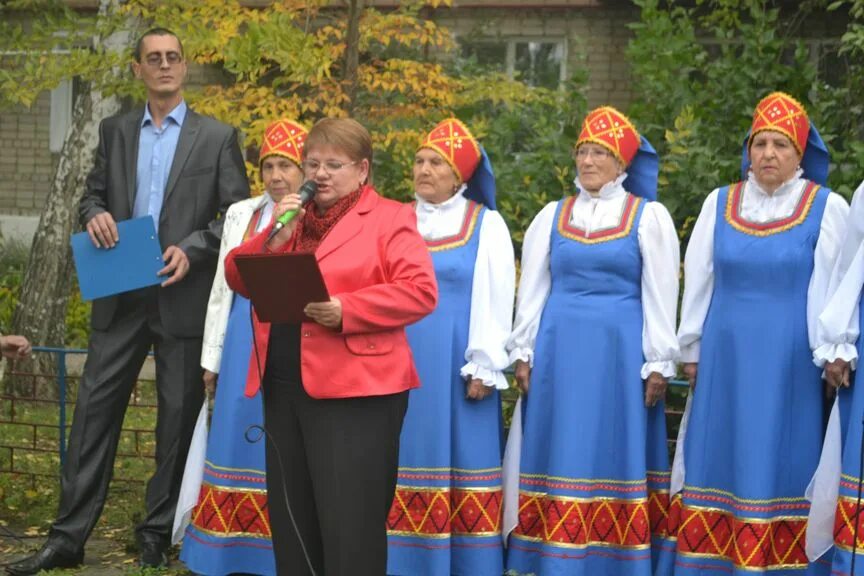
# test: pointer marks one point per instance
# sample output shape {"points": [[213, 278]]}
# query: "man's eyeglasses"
{"points": [[330, 166], [154, 59]]}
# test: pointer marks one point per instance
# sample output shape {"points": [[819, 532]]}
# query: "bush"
{"points": [[14, 255], [696, 107]]}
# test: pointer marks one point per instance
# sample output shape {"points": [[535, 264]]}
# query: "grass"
{"points": [[29, 498]]}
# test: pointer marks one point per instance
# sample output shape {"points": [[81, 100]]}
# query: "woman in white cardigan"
{"points": [[230, 530]]}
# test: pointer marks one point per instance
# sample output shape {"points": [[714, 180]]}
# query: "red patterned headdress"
{"points": [[781, 113], [454, 142], [283, 138], [611, 129]]}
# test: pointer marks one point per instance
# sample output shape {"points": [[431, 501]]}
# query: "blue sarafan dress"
{"points": [[755, 430], [230, 530], [835, 512], [230, 527], [446, 516], [593, 482], [848, 512]]}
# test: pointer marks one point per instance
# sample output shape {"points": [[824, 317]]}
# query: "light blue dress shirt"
{"points": [[156, 147]]}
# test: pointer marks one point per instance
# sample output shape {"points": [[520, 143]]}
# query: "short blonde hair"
{"points": [[344, 134]]}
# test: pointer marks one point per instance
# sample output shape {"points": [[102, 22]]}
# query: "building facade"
{"points": [[541, 42]]}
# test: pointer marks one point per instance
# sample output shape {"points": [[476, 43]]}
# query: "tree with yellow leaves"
{"points": [[299, 59]]}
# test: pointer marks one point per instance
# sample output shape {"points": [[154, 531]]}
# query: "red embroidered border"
{"points": [[733, 216], [748, 543], [229, 513], [623, 228], [469, 222], [438, 512]]}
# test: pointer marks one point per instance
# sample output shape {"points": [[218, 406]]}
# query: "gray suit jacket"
{"points": [[207, 175]]}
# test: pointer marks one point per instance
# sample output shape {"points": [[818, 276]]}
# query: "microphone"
{"points": [[307, 191]]}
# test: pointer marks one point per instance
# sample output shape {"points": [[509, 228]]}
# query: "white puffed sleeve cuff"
{"points": [[491, 378], [534, 286], [690, 352], [492, 294], [661, 265], [665, 368], [830, 352], [698, 280], [524, 354], [832, 232], [211, 356]]}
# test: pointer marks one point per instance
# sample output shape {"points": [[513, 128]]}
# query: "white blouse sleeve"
{"points": [[534, 285], [492, 293], [661, 263], [698, 280], [221, 297], [836, 339]]}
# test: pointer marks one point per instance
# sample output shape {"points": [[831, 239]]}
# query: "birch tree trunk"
{"points": [[41, 310]]}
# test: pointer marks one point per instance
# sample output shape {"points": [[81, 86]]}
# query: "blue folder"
{"points": [[131, 264]]}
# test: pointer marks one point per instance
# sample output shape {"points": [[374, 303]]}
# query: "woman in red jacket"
{"points": [[336, 387]]}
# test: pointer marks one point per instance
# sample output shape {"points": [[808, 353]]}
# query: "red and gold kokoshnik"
{"points": [[284, 138], [611, 129], [780, 112], [454, 142]]}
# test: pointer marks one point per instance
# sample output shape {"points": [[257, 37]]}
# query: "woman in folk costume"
{"points": [[756, 271], [594, 344], [230, 527], [835, 517], [446, 515]]}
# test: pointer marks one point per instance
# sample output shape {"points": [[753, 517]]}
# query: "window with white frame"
{"points": [[536, 61], [61, 115]]}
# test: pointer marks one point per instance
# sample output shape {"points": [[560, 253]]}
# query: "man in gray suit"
{"points": [[184, 170]]}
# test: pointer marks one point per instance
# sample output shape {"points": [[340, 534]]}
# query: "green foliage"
{"points": [[696, 98], [530, 149], [13, 260], [44, 42], [839, 107]]}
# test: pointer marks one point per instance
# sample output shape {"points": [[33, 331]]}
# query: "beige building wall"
{"points": [[594, 32], [595, 38], [26, 164]]}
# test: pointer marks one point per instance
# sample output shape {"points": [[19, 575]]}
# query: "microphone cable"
{"points": [[262, 432]]}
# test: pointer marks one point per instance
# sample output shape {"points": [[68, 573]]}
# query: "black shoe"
{"points": [[47, 558], [153, 555]]}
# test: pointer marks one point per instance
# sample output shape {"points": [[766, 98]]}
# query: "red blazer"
{"points": [[376, 263]]}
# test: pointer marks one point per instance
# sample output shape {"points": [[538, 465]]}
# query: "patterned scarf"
{"points": [[312, 229]]}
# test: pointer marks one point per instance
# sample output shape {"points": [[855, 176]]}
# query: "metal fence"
{"points": [[35, 417]]}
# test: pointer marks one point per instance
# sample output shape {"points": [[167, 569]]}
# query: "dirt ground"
{"points": [[103, 557]]}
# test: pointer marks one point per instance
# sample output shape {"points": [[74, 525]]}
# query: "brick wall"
{"points": [[26, 164], [596, 39]]}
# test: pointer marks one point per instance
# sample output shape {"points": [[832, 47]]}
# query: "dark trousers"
{"points": [[338, 470], [114, 360]]}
